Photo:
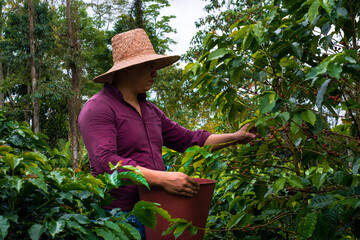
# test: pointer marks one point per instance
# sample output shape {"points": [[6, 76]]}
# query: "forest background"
{"points": [[292, 68]]}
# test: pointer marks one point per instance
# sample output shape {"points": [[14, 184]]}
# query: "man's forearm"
{"points": [[153, 177], [243, 136], [219, 141]]}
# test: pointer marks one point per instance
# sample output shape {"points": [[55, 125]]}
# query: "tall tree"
{"points": [[146, 14], [138, 14], [157, 26], [35, 101], [75, 71], [2, 100], [1, 68]]}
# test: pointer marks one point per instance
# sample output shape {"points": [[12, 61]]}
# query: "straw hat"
{"points": [[131, 48]]}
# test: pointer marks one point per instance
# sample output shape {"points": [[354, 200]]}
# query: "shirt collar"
{"points": [[118, 95]]}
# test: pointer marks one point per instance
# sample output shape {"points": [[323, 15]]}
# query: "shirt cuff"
{"points": [[204, 137]]}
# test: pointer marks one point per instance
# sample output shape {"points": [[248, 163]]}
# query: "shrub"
{"points": [[39, 200], [293, 71]]}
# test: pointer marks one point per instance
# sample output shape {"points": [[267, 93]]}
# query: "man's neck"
{"points": [[129, 95]]}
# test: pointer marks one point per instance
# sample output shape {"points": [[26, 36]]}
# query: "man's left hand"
{"points": [[246, 134]]}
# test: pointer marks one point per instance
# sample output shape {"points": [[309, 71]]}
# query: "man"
{"points": [[119, 124]]}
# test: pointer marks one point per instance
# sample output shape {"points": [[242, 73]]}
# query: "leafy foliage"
{"points": [[40, 200], [173, 95], [292, 70]]}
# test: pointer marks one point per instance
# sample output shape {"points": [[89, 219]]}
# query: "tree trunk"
{"points": [[2, 100], [35, 101], [74, 101]]}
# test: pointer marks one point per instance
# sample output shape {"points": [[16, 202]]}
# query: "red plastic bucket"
{"points": [[195, 209]]}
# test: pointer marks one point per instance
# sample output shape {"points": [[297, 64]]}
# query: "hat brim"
{"points": [[160, 61]]}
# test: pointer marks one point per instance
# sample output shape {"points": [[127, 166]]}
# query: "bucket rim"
{"points": [[205, 181]]}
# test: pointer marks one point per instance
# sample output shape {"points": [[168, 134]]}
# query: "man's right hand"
{"points": [[179, 183], [172, 182]]}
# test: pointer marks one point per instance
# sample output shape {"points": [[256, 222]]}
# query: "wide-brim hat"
{"points": [[132, 48]]}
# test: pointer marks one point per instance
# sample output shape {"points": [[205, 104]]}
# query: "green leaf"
{"points": [[57, 176], [180, 229], [234, 202], [327, 5], [145, 212], [353, 202], [234, 25], [279, 184], [130, 230], [187, 159], [188, 67], [334, 69], [207, 38], [76, 226], [73, 186], [81, 219], [112, 178], [321, 93], [16, 140], [146, 217], [312, 74], [309, 116], [313, 10], [356, 167], [298, 50], [235, 219], [213, 64], [258, 31], [153, 207], [135, 177], [307, 225], [218, 53], [342, 12], [319, 179], [298, 142], [56, 227], [113, 226], [242, 32], [193, 230], [37, 171], [321, 201], [169, 230], [34, 157], [267, 103], [35, 231], [105, 234], [11, 160], [338, 177], [295, 181], [260, 191], [247, 39], [247, 219], [5, 149], [297, 118], [321, 231], [17, 183], [4, 226], [40, 183]]}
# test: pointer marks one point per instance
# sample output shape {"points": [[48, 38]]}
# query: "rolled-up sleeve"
{"points": [[98, 130], [179, 138]]}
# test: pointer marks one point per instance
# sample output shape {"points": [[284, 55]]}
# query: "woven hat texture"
{"points": [[132, 48]]}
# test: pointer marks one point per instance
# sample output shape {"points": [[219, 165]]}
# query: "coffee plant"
{"points": [[40, 200], [293, 71]]}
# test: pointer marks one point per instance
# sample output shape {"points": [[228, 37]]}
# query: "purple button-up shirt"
{"points": [[114, 131]]}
